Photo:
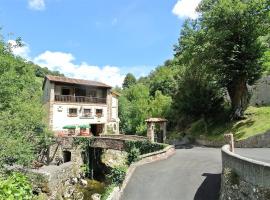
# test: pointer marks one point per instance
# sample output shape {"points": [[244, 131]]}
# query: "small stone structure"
{"points": [[261, 92], [151, 122], [229, 139], [244, 178]]}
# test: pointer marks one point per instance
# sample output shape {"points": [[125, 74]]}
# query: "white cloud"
{"points": [[64, 62], [36, 4], [20, 51], [186, 8]]}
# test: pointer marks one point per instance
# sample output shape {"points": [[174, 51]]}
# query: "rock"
{"points": [[96, 196], [78, 196], [68, 192], [67, 182], [74, 181], [83, 182]]}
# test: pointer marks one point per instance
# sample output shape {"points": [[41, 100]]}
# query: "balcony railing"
{"points": [[79, 99]]}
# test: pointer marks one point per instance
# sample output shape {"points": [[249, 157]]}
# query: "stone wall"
{"points": [[244, 178], [261, 92], [257, 141]]}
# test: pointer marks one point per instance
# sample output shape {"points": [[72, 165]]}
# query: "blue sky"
{"points": [[96, 39]]}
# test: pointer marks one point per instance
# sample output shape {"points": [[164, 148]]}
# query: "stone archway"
{"points": [[151, 123]]}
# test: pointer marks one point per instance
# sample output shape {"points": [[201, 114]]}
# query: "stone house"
{"points": [[80, 107]]}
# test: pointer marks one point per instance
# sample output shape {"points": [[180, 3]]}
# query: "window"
{"points": [[99, 112], [87, 113], [65, 91], [72, 112]]}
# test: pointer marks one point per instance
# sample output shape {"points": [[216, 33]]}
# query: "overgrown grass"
{"points": [[256, 122]]}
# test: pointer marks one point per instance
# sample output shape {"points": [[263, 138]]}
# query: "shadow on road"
{"points": [[209, 189], [184, 146]]}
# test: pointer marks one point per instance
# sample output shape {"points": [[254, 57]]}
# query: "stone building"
{"points": [[80, 107]]}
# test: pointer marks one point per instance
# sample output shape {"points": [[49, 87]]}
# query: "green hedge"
{"points": [[143, 146]]}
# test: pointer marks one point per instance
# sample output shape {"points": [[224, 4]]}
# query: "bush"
{"points": [[108, 191], [15, 187], [133, 155], [143, 146], [117, 175]]}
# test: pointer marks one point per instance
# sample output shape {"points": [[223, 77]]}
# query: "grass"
{"points": [[256, 122]]}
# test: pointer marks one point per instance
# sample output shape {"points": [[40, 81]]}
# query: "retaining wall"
{"points": [[256, 141], [244, 178]]}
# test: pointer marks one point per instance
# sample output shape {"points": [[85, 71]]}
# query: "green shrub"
{"points": [[143, 146], [117, 175], [15, 187], [108, 191], [133, 155]]}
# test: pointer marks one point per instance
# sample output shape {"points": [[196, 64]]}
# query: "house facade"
{"points": [[80, 107]]}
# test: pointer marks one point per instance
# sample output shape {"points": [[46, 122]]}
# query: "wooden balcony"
{"points": [[79, 99]]}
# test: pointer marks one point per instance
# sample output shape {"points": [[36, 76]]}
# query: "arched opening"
{"points": [[67, 156]]}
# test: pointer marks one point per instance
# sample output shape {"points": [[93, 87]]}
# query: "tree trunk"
{"points": [[239, 96]]}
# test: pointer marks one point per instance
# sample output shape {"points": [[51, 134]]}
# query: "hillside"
{"points": [[256, 122]]}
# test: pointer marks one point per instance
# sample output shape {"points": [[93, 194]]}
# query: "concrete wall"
{"points": [[244, 178]]}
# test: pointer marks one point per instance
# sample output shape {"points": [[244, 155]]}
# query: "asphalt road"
{"points": [[189, 174], [192, 173], [261, 154]]}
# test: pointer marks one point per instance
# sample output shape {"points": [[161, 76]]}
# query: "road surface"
{"points": [[189, 174], [192, 173]]}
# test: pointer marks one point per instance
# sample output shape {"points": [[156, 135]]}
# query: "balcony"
{"points": [[79, 99]]}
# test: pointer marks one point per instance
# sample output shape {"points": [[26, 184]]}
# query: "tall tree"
{"points": [[234, 28], [21, 114], [129, 81]]}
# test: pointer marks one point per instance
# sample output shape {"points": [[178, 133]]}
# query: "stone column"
{"points": [[164, 131], [151, 131]]}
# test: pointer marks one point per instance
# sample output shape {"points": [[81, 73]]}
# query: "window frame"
{"points": [[72, 114], [90, 113], [99, 114]]}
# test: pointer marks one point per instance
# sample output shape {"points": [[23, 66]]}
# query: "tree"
{"points": [[163, 79], [21, 115], [233, 29], [129, 81], [136, 105], [197, 93]]}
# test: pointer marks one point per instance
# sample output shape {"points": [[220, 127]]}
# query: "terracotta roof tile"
{"points": [[76, 81]]}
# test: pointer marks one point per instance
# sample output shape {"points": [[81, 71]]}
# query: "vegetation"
{"points": [[133, 155], [22, 129], [129, 81], [15, 187], [23, 132], [207, 79], [136, 105], [117, 175], [255, 122], [144, 147]]}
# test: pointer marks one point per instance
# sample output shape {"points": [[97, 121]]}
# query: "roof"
{"points": [[75, 81], [116, 93], [156, 120]]}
